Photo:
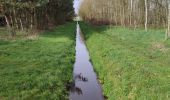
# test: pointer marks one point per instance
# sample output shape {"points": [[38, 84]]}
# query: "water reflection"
{"points": [[77, 90], [85, 85], [80, 77], [73, 88]]}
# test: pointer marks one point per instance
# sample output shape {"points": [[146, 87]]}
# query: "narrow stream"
{"points": [[86, 86]]}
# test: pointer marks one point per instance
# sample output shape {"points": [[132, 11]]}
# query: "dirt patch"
{"points": [[30, 35], [159, 46], [27, 37]]}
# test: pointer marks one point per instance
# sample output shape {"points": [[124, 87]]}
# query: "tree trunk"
{"points": [[131, 9], [15, 18], [21, 24], [168, 29], [11, 31], [146, 15], [7, 22]]}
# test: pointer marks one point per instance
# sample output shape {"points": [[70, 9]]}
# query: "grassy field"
{"points": [[131, 65], [38, 69]]}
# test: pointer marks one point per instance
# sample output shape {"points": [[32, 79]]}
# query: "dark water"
{"points": [[85, 85]]}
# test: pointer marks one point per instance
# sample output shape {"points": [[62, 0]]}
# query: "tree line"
{"points": [[128, 13], [35, 14]]}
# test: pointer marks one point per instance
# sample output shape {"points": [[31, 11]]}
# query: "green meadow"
{"points": [[131, 65], [37, 68]]}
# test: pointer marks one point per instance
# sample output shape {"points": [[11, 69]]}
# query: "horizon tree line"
{"points": [[128, 13], [35, 14]]}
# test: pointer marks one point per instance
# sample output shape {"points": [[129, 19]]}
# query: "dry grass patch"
{"points": [[159, 46]]}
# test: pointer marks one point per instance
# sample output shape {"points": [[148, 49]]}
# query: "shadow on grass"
{"points": [[68, 30], [62, 31], [90, 29]]}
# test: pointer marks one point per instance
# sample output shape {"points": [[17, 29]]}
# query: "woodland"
{"points": [[29, 15], [128, 13]]}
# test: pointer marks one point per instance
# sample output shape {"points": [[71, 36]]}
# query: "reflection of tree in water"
{"points": [[72, 86], [80, 77], [76, 90]]}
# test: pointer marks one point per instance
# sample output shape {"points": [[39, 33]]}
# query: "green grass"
{"points": [[131, 64], [38, 69]]}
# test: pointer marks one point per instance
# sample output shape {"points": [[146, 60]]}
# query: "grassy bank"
{"points": [[38, 69], [130, 64]]}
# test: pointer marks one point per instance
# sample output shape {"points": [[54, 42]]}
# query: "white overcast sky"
{"points": [[76, 5]]}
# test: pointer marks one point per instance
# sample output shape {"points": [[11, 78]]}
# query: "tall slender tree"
{"points": [[133, 13], [168, 29], [146, 15]]}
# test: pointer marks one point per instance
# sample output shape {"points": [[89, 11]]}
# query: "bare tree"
{"points": [[168, 29], [146, 15], [133, 13]]}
